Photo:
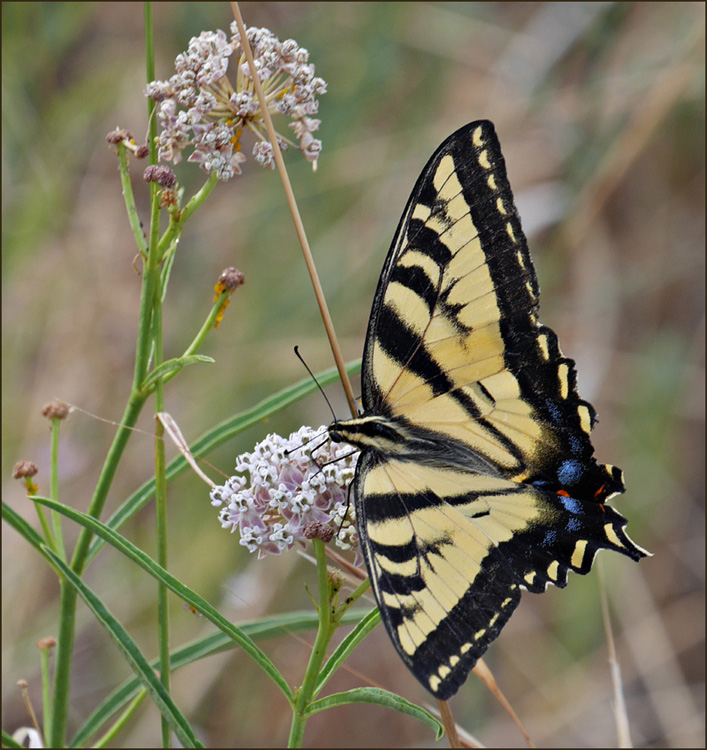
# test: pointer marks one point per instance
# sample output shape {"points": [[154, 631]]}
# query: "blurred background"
{"points": [[600, 111]]}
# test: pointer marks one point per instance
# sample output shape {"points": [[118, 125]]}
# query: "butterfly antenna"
{"points": [[311, 374], [307, 442], [346, 512]]}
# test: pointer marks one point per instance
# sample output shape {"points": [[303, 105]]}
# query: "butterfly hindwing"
{"points": [[477, 476], [449, 550]]}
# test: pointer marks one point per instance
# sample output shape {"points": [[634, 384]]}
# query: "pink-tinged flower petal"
{"points": [[219, 112], [289, 487]]}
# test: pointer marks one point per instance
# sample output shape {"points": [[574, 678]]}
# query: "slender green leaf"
{"points": [[380, 698], [267, 627], [131, 653], [347, 645], [178, 363], [218, 435], [21, 526], [180, 589], [7, 740], [121, 722]]}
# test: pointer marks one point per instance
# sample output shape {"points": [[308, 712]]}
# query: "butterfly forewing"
{"points": [[454, 344]]}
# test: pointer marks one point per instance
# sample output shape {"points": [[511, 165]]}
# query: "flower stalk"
{"points": [[57, 533], [325, 631], [299, 226]]}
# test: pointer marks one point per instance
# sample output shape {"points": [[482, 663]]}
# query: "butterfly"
{"points": [[476, 477]]}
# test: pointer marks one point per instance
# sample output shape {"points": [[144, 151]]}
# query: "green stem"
{"points": [[67, 613], [149, 291], [68, 598], [160, 280], [46, 530], [150, 75], [306, 693], [115, 452], [353, 597], [177, 221], [121, 721], [58, 543], [198, 340], [46, 692], [193, 348], [65, 644], [161, 518], [129, 198], [62, 672]]}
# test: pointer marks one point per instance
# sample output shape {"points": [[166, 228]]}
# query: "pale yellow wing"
{"points": [[448, 552]]}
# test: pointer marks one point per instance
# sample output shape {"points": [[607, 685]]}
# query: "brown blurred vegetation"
{"points": [[600, 112]]}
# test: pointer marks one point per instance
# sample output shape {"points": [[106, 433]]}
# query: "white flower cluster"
{"points": [[291, 486], [199, 106]]}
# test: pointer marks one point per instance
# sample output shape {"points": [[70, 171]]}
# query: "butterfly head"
{"points": [[372, 432]]}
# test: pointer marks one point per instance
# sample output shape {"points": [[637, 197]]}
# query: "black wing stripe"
{"points": [[389, 507], [405, 346]]}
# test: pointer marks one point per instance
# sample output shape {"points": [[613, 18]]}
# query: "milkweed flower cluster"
{"points": [[290, 489], [200, 106]]}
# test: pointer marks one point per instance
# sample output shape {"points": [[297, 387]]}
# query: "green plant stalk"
{"points": [[352, 598], [67, 615], [160, 463], [316, 659], [67, 606], [46, 692], [161, 519], [154, 261], [46, 530], [150, 290], [62, 671], [68, 596], [193, 348], [121, 721], [196, 200], [150, 76], [129, 198], [174, 230], [58, 537]]}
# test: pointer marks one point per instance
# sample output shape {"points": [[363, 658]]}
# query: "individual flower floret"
{"points": [[290, 487], [200, 106]]}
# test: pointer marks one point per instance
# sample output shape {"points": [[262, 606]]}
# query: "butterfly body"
{"points": [[477, 476]]}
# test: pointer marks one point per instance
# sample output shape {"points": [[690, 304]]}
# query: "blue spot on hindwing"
{"points": [[573, 524], [570, 472], [549, 538], [572, 505]]}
